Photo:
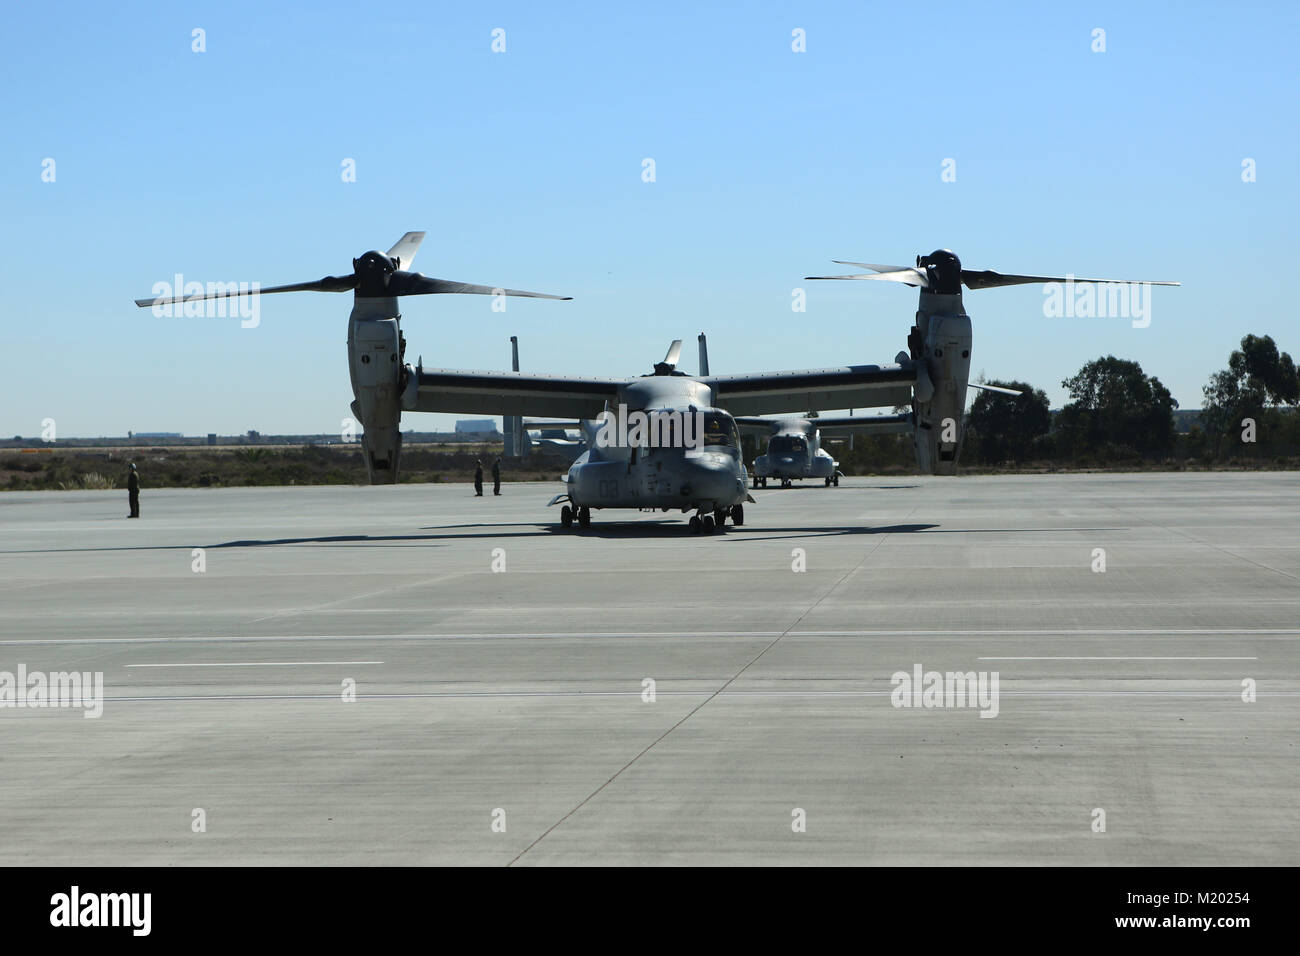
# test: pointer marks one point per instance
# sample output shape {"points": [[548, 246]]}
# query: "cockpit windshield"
{"points": [[720, 429], [787, 445]]}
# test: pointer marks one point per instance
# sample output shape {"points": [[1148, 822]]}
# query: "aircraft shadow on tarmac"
{"points": [[676, 528], [665, 528], [668, 528], [818, 486]]}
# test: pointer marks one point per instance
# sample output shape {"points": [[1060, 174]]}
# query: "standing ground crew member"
{"points": [[496, 477], [133, 492], [478, 478]]}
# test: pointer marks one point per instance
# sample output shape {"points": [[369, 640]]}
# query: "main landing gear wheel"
{"points": [[566, 516], [837, 481], [828, 482], [786, 482], [695, 524], [737, 515], [720, 518], [584, 517], [755, 481]]}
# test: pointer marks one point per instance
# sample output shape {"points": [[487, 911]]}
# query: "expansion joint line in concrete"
{"points": [[704, 703], [1206, 544]]}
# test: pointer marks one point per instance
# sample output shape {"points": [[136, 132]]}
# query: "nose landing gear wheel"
{"points": [[837, 481], [720, 519], [828, 482], [584, 517], [737, 515], [695, 524], [706, 524], [566, 516]]}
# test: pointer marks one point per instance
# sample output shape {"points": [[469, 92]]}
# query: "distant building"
{"points": [[212, 438], [155, 435], [477, 426]]}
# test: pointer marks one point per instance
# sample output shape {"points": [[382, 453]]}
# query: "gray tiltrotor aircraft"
{"points": [[655, 443], [794, 448], [688, 457]]}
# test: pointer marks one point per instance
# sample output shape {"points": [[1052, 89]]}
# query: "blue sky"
{"points": [[525, 169]]}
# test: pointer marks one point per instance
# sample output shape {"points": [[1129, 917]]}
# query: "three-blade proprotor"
{"points": [[374, 275], [941, 271]]}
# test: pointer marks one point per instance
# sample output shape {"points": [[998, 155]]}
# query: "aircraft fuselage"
{"points": [[692, 463], [794, 451]]}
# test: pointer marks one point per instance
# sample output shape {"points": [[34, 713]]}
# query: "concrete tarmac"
{"points": [[500, 715]]}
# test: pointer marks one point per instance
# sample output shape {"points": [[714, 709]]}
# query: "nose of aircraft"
{"points": [[711, 478]]}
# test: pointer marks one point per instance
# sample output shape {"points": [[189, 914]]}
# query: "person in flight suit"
{"points": [[496, 477], [478, 478], [133, 491]]}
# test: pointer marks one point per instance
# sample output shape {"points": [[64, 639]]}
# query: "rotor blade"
{"points": [[327, 284], [404, 251], [870, 265], [995, 388], [913, 277], [414, 283], [989, 280], [674, 353]]}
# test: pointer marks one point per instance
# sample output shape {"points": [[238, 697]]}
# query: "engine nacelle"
{"points": [[375, 361], [943, 334]]}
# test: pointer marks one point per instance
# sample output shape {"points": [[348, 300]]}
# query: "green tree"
{"points": [[1116, 407], [1001, 427], [1258, 377]]}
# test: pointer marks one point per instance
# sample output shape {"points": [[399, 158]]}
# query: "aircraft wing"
{"points": [[848, 386], [865, 425], [532, 425], [756, 426], [508, 393]]}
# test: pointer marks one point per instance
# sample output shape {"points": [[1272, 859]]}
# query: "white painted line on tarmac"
{"points": [[936, 634], [258, 664], [1117, 658], [1231, 696]]}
